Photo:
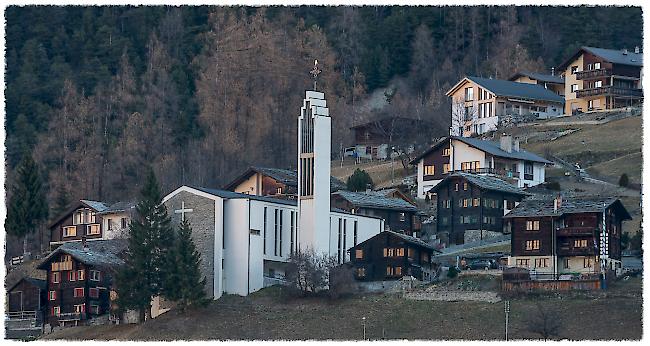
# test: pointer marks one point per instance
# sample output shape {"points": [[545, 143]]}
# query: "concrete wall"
{"points": [[235, 260]]}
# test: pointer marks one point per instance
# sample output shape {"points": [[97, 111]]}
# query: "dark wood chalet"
{"points": [[80, 278], [276, 182], [398, 214], [567, 237], [435, 165], [471, 202], [390, 255]]}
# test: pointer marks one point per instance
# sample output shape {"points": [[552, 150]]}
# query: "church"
{"points": [[245, 240]]}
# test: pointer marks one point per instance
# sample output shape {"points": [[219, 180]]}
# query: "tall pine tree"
{"points": [[27, 208], [185, 285], [150, 242]]}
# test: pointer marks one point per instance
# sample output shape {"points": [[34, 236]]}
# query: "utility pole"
{"points": [[507, 311], [392, 168]]}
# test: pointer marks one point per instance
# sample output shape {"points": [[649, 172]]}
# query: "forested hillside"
{"points": [[98, 93]]}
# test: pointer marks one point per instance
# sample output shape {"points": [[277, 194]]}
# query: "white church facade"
{"points": [[245, 240]]}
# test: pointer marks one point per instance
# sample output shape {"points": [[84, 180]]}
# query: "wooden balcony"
{"points": [[577, 251], [590, 74], [72, 316], [59, 266], [610, 90], [494, 171], [576, 231]]}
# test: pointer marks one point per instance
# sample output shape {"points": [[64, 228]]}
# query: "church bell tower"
{"points": [[314, 152]]}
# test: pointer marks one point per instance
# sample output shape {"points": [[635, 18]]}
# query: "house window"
{"points": [[597, 66], [528, 170], [109, 222], [93, 292], [52, 295], [587, 262], [574, 69], [532, 245], [69, 231], [124, 225], [80, 308], [361, 272], [598, 84], [532, 225], [92, 229], [429, 170], [94, 309], [81, 275], [410, 252], [523, 262], [78, 292], [456, 187], [541, 262], [358, 254], [56, 277], [446, 152], [402, 217], [389, 271], [476, 202], [95, 275], [574, 87], [465, 202], [400, 252], [566, 263], [72, 275], [398, 270], [446, 167], [469, 94], [464, 186], [580, 243], [279, 191], [56, 311]]}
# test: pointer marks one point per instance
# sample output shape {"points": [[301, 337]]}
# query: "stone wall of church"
{"points": [[202, 220]]}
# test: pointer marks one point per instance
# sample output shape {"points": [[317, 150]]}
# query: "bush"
{"points": [[307, 273], [360, 180], [452, 273], [624, 181]]}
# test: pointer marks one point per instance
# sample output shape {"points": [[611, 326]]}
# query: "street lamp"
{"points": [[363, 319], [506, 309]]}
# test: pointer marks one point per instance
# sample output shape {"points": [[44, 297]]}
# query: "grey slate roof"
{"points": [[413, 240], [485, 182], [100, 253], [502, 87], [362, 199], [616, 56], [40, 283], [548, 78], [284, 176], [119, 207], [99, 206], [535, 207], [237, 195], [495, 149]]}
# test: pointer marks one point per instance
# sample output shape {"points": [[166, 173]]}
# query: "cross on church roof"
{"points": [[315, 72]]}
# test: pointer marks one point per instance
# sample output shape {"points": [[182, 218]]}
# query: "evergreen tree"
{"points": [[147, 263], [360, 180], [184, 284], [27, 208]]}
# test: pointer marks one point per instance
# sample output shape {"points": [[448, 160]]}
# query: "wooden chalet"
{"points": [[398, 214], [80, 278], [26, 297], [570, 238], [391, 255], [91, 220], [372, 139], [470, 207], [276, 182]]}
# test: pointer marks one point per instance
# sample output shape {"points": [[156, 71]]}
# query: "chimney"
{"points": [[506, 143], [515, 145], [637, 50], [624, 51], [368, 188], [552, 71], [557, 203]]}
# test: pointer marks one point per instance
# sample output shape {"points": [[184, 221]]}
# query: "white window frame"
{"points": [[94, 275]]}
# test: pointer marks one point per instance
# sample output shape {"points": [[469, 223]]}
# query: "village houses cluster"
{"points": [[479, 189]]}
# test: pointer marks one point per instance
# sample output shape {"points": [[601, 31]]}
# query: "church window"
{"points": [[358, 254], [345, 236], [338, 255], [355, 232], [293, 225], [281, 228], [264, 231]]}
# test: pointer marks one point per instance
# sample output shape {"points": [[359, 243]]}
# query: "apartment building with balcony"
{"points": [[599, 79], [505, 160], [479, 105], [567, 239]]}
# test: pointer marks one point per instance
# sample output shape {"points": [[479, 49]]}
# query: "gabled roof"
{"points": [[615, 56], [406, 238], [284, 176], [484, 182], [390, 190], [577, 205], [236, 195], [99, 253], [119, 207], [490, 147], [94, 205], [548, 78], [494, 148], [507, 88], [374, 201]]}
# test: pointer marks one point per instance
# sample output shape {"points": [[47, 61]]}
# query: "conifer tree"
{"points": [[185, 285], [27, 208], [150, 241]]}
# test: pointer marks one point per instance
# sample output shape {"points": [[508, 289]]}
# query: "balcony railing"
{"points": [[570, 231], [500, 172], [72, 316], [603, 72], [576, 251], [59, 266], [610, 90]]}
